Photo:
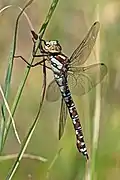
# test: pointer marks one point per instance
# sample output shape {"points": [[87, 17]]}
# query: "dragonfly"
{"points": [[70, 75]]}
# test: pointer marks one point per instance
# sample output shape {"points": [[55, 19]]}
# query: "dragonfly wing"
{"points": [[53, 92], [83, 51], [83, 79], [62, 118]]}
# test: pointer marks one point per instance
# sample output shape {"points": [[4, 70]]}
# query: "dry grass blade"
{"points": [[97, 111], [8, 109], [6, 7], [33, 126], [27, 156], [96, 122], [4, 129]]}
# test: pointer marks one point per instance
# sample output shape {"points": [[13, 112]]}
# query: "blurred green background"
{"points": [[69, 24]]}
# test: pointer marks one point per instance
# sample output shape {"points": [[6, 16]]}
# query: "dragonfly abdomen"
{"points": [[76, 122], [60, 75]]}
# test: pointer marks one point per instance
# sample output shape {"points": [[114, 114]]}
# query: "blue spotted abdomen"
{"points": [[60, 75]]}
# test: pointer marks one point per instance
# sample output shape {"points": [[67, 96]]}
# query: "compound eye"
{"points": [[57, 42], [47, 44]]}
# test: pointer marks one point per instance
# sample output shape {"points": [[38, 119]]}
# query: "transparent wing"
{"points": [[82, 52], [52, 92], [82, 79], [62, 118]]}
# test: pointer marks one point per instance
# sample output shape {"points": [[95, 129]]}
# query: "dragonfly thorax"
{"points": [[52, 47]]}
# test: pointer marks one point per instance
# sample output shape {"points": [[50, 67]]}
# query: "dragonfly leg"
{"points": [[32, 65], [40, 48], [35, 36], [41, 63], [34, 39]]}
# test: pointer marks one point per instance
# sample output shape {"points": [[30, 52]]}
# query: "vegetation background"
{"points": [[69, 24]]}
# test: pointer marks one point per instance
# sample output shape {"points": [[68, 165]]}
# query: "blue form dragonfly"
{"points": [[70, 76]]}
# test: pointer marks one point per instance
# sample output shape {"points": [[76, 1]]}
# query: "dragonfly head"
{"points": [[52, 47]]}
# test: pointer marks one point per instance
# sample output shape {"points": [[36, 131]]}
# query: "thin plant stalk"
{"points": [[25, 156], [8, 79], [31, 130], [26, 73], [53, 162], [8, 109], [7, 84], [96, 122]]}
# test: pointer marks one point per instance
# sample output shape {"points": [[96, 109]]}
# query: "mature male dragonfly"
{"points": [[71, 76]]}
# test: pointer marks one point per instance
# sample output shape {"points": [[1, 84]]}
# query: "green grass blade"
{"points": [[7, 87], [48, 17], [21, 86], [8, 80], [53, 162], [27, 138], [8, 77], [31, 130], [23, 147]]}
